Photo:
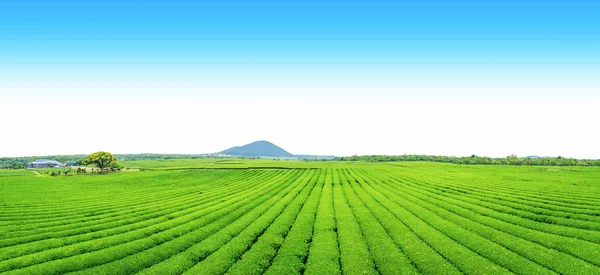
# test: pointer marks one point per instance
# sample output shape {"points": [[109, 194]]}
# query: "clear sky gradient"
{"points": [[315, 77]]}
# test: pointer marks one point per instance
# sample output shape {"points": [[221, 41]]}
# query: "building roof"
{"points": [[47, 161]]}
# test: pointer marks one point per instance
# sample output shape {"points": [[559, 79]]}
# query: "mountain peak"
{"points": [[260, 148]]}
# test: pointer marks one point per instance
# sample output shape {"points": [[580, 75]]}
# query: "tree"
{"points": [[100, 159]]}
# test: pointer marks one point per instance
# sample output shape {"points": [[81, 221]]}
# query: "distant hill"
{"points": [[538, 157], [261, 148], [532, 157]]}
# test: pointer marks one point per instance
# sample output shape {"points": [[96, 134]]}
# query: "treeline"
{"points": [[126, 157], [21, 162], [510, 160]]}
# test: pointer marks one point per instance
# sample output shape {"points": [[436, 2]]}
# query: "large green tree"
{"points": [[100, 159]]}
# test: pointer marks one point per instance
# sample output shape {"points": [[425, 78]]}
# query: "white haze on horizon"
{"points": [[325, 118]]}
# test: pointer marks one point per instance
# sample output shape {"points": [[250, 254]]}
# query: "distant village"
{"points": [[47, 163]]}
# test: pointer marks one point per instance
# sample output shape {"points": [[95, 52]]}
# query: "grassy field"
{"points": [[295, 217]]}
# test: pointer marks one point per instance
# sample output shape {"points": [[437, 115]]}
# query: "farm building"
{"points": [[44, 163]]}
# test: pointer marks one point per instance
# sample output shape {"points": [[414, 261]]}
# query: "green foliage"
{"points": [[184, 160], [21, 162], [293, 253], [324, 256], [101, 159], [321, 218], [473, 159]]}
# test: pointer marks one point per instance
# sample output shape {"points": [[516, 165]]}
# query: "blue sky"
{"points": [[309, 42], [300, 36]]}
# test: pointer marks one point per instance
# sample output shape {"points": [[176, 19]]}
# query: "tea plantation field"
{"points": [[286, 217]]}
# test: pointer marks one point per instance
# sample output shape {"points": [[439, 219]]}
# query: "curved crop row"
{"points": [[356, 218]]}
